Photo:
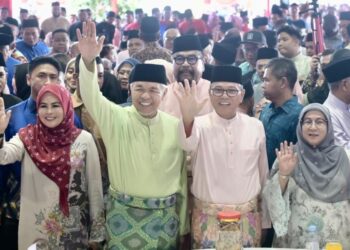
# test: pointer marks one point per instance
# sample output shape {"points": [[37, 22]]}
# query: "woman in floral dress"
{"points": [[310, 185], [61, 190]]}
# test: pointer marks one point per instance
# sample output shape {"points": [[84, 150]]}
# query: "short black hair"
{"points": [[290, 31], [176, 12], [63, 9], [283, 67], [155, 10], [59, 31], [129, 12], [11, 21], [40, 60], [188, 14], [138, 11], [111, 14]]}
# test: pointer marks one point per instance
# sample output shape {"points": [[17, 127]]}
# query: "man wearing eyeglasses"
{"points": [[187, 65], [230, 164]]}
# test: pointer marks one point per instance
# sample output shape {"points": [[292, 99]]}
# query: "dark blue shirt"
{"points": [[23, 114], [10, 65], [280, 125], [30, 52]]}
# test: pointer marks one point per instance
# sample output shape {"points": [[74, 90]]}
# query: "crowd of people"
{"points": [[136, 136]]}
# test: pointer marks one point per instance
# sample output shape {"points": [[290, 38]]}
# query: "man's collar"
{"points": [[287, 106], [144, 120]]}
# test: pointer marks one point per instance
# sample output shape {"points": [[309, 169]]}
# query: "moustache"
{"points": [[185, 71]]}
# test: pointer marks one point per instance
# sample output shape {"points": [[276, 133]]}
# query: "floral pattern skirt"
{"points": [[141, 223], [205, 226]]}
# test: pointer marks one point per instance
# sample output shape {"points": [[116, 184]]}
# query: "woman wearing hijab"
{"points": [[310, 184], [70, 77], [122, 72], [61, 191]]}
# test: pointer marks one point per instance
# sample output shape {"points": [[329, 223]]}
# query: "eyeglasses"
{"points": [[220, 92], [319, 123], [191, 59]]}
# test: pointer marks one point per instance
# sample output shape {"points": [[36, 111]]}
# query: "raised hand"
{"points": [[287, 159], [4, 116], [189, 103], [89, 46]]}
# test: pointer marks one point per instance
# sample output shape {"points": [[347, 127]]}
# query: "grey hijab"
{"points": [[323, 172]]}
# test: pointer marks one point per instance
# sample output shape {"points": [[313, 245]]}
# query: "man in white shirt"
{"points": [[229, 163], [288, 44], [338, 102]]}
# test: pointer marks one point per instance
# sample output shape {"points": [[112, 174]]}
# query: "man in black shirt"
{"points": [[107, 27]]}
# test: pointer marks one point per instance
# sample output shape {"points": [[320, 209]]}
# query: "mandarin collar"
{"points": [[143, 120], [225, 122]]}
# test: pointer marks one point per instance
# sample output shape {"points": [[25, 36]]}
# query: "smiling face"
{"points": [[226, 105], [314, 127], [146, 97], [50, 111], [186, 70]]}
